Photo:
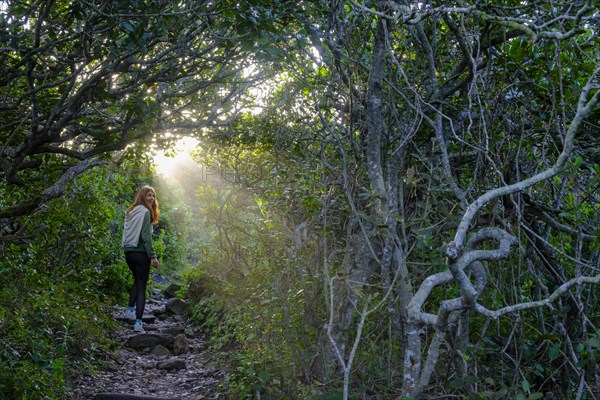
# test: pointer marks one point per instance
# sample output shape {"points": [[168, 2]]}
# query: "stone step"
{"points": [[149, 340], [146, 318], [167, 361]]}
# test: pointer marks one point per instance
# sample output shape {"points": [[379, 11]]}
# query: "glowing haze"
{"points": [[167, 165]]}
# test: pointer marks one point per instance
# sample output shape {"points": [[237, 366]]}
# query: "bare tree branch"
{"points": [[546, 302], [584, 109]]}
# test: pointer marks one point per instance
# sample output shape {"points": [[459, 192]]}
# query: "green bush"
{"points": [[65, 274], [49, 331]]}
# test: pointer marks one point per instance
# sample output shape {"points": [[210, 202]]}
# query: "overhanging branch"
{"points": [[53, 191]]}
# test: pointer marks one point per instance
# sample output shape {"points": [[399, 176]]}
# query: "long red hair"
{"points": [[140, 199]]}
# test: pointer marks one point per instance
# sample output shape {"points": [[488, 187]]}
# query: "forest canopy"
{"points": [[396, 199]]}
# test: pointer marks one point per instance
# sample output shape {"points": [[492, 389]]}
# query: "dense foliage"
{"points": [[60, 275], [389, 200], [412, 271]]}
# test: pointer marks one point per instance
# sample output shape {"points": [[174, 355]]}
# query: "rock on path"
{"points": [[169, 361]]}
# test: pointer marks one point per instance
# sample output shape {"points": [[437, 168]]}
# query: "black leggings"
{"points": [[139, 265]]}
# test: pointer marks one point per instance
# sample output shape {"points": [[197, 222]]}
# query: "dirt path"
{"points": [[168, 361]]}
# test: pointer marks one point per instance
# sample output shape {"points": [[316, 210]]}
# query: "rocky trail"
{"points": [[169, 361]]}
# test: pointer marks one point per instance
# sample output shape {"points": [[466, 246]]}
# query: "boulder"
{"points": [[149, 340], [176, 306], [180, 345], [148, 318], [160, 350], [172, 364], [171, 290]]}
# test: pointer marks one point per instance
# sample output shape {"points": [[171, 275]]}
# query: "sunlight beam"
{"points": [[168, 164]]}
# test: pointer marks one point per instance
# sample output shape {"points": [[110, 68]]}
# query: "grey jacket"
{"points": [[137, 231]]}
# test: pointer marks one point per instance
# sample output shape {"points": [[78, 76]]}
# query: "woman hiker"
{"points": [[139, 251]]}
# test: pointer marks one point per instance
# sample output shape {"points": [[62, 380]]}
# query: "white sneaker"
{"points": [[138, 327], [129, 314]]}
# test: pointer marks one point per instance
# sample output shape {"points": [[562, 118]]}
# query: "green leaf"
{"points": [[456, 384], [554, 351], [264, 376], [529, 351], [128, 27]]}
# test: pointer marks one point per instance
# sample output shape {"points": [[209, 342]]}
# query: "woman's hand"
{"points": [[154, 262]]}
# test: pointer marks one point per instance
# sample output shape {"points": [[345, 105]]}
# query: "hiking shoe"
{"points": [[138, 327], [129, 314]]}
